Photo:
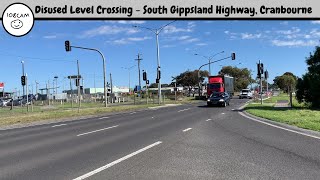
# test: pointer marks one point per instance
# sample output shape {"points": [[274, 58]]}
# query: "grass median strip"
{"points": [[299, 115], [19, 116]]}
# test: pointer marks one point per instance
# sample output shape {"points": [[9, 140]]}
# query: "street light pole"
{"points": [[129, 73], [157, 32], [209, 59], [232, 56]]}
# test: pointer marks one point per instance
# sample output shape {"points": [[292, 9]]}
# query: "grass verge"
{"points": [[299, 115]]}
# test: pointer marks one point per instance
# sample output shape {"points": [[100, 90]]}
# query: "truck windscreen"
{"points": [[214, 86]]}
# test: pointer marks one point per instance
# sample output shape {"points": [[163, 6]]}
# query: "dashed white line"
{"points": [[188, 129], [116, 161], [208, 119], [97, 130], [183, 110], [58, 125], [222, 113], [104, 118], [133, 112]]}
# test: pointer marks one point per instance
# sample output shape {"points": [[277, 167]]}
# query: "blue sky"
{"points": [[281, 45]]}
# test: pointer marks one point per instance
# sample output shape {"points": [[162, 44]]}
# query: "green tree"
{"points": [[242, 76], [286, 81], [308, 87], [190, 78]]}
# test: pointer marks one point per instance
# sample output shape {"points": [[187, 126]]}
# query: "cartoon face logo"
{"points": [[18, 19], [16, 24]]}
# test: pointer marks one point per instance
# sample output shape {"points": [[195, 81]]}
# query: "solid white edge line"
{"points": [[116, 161], [97, 130], [208, 119], [104, 118], [293, 131], [186, 129], [59, 125]]}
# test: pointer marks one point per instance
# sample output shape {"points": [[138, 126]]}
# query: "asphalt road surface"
{"points": [[182, 142]]}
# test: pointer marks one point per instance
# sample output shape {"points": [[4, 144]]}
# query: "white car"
{"points": [[245, 93]]}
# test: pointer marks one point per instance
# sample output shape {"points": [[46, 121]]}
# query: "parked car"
{"points": [[3, 102], [245, 93], [219, 98]]}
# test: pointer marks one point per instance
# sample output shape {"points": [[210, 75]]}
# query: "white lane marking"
{"points": [[208, 119], [232, 109], [59, 125], [104, 118], [133, 112], [97, 130], [186, 129], [116, 161], [222, 113], [152, 117], [184, 110], [293, 131]]}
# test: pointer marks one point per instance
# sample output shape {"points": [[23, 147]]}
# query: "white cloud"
{"points": [[183, 37], [191, 40], [284, 23], [201, 44], [129, 40], [315, 22], [207, 33], [108, 30], [168, 46], [250, 36], [295, 43], [294, 30], [50, 37], [315, 33], [173, 29]]}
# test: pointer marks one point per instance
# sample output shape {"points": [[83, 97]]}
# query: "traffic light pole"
{"points": [[104, 71]]}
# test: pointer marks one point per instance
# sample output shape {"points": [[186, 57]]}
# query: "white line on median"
{"points": [[186, 130], [97, 130], [208, 119], [59, 125], [104, 118], [293, 131], [116, 161]]}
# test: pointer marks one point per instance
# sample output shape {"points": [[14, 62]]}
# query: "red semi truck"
{"points": [[220, 84]]}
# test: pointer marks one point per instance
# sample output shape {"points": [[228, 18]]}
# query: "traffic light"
{"points": [[147, 82], [23, 80], [144, 74], [77, 81], [261, 68], [67, 44], [266, 74], [159, 74], [233, 56], [157, 80]]}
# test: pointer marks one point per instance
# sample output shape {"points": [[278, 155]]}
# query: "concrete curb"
{"points": [[279, 124]]}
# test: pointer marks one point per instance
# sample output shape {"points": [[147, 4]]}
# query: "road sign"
{"points": [[74, 77]]}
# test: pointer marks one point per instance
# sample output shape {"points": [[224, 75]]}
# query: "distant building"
{"points": [[115, 89]]}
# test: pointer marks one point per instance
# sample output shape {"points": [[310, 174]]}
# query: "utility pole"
{"points": [[78, 79], [71, 93], [37, 87], [94, 84], [139, 59], [48, 92], [111, 91]]}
